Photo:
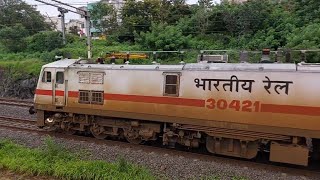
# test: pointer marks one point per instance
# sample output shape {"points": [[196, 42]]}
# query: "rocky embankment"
{"points": [[22, 86]]}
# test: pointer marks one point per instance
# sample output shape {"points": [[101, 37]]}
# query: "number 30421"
{"points": [[237, 105]]}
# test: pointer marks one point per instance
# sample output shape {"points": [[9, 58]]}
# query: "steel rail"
{"points": [[16, 102]]}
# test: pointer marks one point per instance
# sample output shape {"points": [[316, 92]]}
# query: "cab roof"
{"points": [[64, 63]]}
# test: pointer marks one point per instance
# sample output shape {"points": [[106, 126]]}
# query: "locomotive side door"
{"points": [[59, 88]]}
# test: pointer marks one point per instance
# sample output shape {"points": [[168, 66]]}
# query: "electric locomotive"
{"points": [[233, 109]]}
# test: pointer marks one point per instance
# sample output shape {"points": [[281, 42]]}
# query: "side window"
{"points": [[84, 97], [91, 97], [171, 84], [46, 77], [96, 97], [59, 77]]}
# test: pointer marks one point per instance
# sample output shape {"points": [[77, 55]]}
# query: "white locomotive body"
{"points": [[233, 108]]}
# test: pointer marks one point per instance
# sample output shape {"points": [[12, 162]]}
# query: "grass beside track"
{"points": [[54, 160]]}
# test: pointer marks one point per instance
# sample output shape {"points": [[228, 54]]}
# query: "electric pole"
{"points": [[87, 26], [76, 10], [63, 24]]}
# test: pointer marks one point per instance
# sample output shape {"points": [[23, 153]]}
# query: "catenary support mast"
{"points": [[76, 10]]}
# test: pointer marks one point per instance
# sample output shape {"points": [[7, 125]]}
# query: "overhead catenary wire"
{"points": [[85, 13], [80, 3], [57, 6]]}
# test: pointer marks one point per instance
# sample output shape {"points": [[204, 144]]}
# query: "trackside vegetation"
{"points": [[164, 25], [54, 160]]}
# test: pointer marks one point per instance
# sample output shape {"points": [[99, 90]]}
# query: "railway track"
{"points": [[17, 123], [16, 102], [30, 125]]}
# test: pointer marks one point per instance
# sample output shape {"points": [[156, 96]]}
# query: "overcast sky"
{"points": [[52, 11]]}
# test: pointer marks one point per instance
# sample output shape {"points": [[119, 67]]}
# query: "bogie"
{"points": [[232, 147], [137, 132]]}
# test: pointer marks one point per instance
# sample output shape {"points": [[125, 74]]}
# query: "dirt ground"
{"points": [[9, 175]]}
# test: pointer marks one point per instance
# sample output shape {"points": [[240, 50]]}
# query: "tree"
{"points": [[204, 9], [307, 10], [163, 37], [247, 17], [138, 15], [45, 41], [174, 10], [17, 11], [305, 37], [104, 17], [12, 38]]}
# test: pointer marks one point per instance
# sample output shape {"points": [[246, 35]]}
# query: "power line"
{"points": [[77, 3], [57, 6], [84, 12]]}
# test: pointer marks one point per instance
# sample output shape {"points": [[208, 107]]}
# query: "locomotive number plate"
{"points": [[236, 105]]}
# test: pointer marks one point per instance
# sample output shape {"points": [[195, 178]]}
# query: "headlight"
{"points": [[49, 120]]}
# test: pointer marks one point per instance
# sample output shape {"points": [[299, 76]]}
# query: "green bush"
{"points": [[202, 42], [22, 69], [45, 41]]}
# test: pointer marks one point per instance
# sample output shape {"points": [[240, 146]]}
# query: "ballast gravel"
{"points": [[163, 164], [15, 111]]}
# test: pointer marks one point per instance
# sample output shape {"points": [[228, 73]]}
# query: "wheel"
{"points": [[66, 128], [132, 136], [134, 140], [95, 131]]}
